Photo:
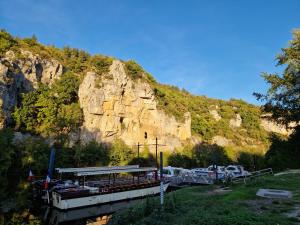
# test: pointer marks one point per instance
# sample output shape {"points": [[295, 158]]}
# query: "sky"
{"points": [[214, 48]]}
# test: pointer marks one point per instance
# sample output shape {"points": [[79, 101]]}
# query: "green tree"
{"points": [[51, 111], [283, 102], [92, 154], [120, 153], [283, 96], [7, 153]]}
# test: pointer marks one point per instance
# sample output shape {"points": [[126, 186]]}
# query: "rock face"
{"points": [[23, 75], [215, 114], [221, 141], [235, 122], [270, 126], [122, 108]]}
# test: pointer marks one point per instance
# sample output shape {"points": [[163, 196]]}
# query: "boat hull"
{"points": [[71, 203]]}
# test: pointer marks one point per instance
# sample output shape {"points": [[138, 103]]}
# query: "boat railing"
{"points": [[254, 174]]}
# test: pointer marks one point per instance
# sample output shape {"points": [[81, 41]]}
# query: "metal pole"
{"points": [[138, 151], [156, 157], [161, 180]]}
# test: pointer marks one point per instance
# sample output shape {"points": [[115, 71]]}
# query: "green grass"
{"points": [[197, 205]]}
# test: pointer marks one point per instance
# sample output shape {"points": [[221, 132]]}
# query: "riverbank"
{"points": [[210, 205]]}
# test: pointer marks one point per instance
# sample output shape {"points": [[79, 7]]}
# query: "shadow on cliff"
{"points": [[11, 90]]}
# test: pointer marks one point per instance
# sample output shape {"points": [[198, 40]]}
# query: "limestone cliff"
{"points": [[122, 108], [117, 106]]}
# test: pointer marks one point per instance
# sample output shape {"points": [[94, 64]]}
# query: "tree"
{"points": [[283, 102], [283, 97], [51, 111]]}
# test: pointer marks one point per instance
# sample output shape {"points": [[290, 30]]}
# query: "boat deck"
{"points": [[95, 188]]}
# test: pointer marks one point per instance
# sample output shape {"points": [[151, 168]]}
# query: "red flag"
{"points": [[47, 181], [30, 176]]}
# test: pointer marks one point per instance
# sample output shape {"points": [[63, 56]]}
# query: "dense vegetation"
{"points": [[51, 110]]}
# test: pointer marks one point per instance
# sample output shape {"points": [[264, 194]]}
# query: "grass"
{"points": [[198, 205]]}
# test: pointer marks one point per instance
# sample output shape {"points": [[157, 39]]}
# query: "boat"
{"points": [[211, 172], [235, 171], [179, 177], [94, 192]]}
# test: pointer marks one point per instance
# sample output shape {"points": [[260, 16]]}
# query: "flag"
{"points": [[30, 176], [47, 181]]}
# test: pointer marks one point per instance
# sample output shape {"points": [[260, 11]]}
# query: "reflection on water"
{"points": [[95, 215]]}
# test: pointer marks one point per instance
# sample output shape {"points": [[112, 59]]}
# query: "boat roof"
{"points": [[114, 171], [89, 171]]}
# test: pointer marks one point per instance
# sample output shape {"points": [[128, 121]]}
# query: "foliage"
{"points": [[120, 153], [180, 160], [177, 102], [135, 71], [283, 102], [6, 159], [101, 64], [201, 155], [283, 96], [284, 153], [251, 162], [6, 42], [92, 154], [51, 110]]}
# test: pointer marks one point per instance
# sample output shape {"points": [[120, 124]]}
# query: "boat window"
{"points": [[230, 168], [145, 135], [167, 172], [176, 172]]}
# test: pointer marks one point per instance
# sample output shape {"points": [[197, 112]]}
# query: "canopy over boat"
{"points": [[90, 171]]}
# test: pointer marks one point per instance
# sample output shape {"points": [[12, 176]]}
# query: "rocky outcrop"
{"points": [[23, 74], [221, 141], [270, 126], [235, 122], [126, 109], [215, 114]]}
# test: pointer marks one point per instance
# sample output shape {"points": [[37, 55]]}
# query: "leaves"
{"points": [[52, 110], [283, 96]]}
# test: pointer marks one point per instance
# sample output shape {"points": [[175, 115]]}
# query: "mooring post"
{"points": [[161, 180]]}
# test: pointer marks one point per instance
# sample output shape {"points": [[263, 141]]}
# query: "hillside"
{"points": [[53, 93]]}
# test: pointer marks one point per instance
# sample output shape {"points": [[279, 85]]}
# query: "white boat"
{"points": [[236, 171], [210, 172], [94, 193]]}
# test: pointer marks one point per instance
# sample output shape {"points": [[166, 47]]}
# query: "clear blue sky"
{"points": [[213, 48]]}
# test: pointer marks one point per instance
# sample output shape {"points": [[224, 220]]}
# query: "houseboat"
{"points": [[116, 186]]}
